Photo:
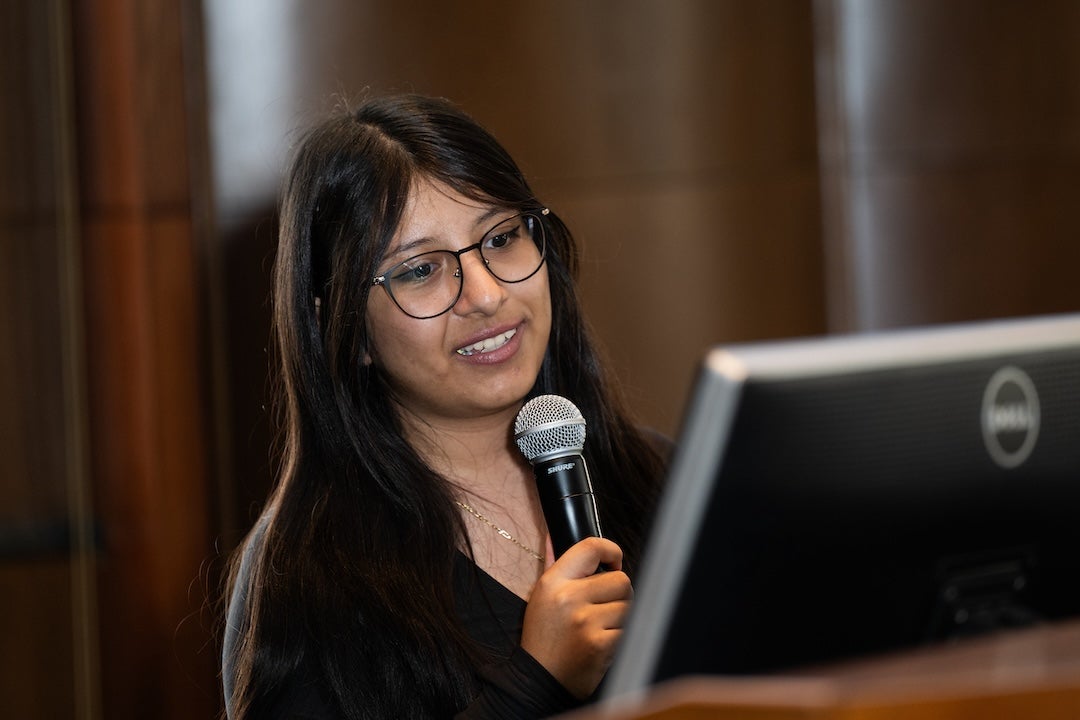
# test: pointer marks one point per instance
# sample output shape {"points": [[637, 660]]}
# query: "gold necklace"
{"points": [[468, 508]]}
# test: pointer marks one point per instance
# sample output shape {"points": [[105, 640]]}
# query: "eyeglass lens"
{"points": [[429, 284]]}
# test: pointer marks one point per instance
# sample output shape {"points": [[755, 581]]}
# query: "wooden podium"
{"points": [[1031, 674]]}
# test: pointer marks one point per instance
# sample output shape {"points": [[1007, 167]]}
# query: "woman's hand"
{"points": [[575, 616]]}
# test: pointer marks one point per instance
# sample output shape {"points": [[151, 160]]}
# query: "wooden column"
{"points": [[145, 355]]}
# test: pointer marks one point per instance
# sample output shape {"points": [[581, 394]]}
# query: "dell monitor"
{"points": [[842, 496]]}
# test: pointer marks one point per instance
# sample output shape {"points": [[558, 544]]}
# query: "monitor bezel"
{"points": [[711, 412]]}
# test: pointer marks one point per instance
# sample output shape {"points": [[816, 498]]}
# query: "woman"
{"points": [[421, 295]]}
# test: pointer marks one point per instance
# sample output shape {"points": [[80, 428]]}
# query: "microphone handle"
{"points": [[566, 496]]}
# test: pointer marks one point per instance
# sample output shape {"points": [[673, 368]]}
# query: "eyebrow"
{"points": [[409, 247], [412, 246], [486, 217]]}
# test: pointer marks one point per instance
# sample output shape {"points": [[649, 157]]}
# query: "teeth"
{"points": [[485, 346]]}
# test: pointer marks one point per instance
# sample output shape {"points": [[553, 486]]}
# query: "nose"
{"points": [[480, 290]]}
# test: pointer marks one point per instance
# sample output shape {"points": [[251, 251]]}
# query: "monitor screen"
{"points": [[842, 496]]}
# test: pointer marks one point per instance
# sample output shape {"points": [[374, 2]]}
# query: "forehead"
{"points": [[435, 213], [428, 196]]}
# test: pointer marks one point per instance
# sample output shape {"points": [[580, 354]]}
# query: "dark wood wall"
{"points": [[107, 495], [951, 158], [734, 170], [47, 659], [139, 115]]}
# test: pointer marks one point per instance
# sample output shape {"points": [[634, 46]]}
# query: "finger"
{"points": [[609, 616], [584, 557], [612, 586], [605, 642]]}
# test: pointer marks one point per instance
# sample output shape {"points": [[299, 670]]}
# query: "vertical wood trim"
{"points": [[842, 307], [211, 271], [83, 562]]}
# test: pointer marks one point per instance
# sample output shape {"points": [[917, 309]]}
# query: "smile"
{"points": [[489, 344]]}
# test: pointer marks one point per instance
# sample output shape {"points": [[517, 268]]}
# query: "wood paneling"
{"points": [[675, 131], [37, 655], [147, 363], [953, 134], [48, 659]]}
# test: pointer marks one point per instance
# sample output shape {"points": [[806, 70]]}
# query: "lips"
{"points": [[487, 344]]}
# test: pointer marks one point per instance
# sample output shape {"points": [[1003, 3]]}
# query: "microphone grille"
{"points": [[549, 425]]}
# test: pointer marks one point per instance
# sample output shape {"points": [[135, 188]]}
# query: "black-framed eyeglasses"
{"points": [[429, 284]]}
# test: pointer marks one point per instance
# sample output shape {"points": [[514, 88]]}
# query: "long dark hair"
{"points": [[352, 579]]}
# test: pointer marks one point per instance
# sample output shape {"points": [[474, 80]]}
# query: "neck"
{"points": [[475, 453], [479, 456]]}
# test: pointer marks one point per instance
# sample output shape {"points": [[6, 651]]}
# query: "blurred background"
{"points": [[734, 170]]}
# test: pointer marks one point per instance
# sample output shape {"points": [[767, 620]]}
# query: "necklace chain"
{"points": [[469, 509]]}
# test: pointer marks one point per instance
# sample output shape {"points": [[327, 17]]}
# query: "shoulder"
{"points": [[248, 552], [236, 618]]}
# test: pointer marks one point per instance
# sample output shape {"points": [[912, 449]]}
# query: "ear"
{"points": [[368, 358]]}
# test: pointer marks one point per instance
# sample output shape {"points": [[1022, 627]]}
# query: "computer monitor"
{"points": [[849, 495]]}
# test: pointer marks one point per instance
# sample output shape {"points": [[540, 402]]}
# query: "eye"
{"points": [[505, 234], [418, 270]]}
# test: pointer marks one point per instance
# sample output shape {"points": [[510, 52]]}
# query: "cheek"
{"points": [[383, 335], [546, 301], [398, 343]]}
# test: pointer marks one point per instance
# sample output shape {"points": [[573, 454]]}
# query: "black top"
{"points": [[512, 685], [515, 685]]}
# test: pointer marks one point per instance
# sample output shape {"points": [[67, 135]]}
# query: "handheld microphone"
{"points": [[550, 432]]}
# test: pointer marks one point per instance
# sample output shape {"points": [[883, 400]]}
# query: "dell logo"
{"points": [[1010, 417]]}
